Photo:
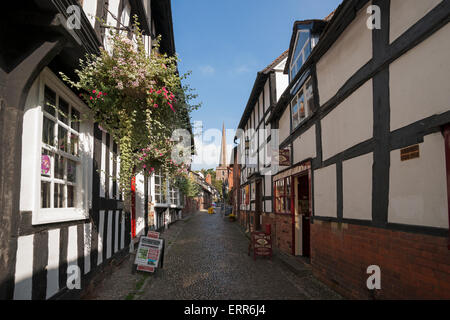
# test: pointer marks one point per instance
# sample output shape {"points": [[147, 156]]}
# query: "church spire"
{"points": [[223, 149]]}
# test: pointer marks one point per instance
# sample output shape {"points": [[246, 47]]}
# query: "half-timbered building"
{"points": [[365, 119], [60, 204], [253, 151]]}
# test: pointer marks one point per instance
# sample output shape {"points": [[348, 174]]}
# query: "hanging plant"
{"points": [[138, 99]]}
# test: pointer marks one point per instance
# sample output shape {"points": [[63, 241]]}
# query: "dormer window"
{"points": [[301, 52]]}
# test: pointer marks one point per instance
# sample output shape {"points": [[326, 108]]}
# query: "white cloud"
{"points": [[207, 70]]}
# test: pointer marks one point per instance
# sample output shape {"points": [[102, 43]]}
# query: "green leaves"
{"points": [[138, 98]]}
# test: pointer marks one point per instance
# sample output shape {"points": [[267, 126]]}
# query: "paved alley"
{"points": [[208, 260]]}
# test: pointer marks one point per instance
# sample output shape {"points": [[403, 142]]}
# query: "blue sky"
{"points": [[225, 43]]}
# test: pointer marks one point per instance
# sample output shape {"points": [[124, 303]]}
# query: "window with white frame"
{"points": [[173, 194], [60, 152], [159, 188], [301, 52], [303, 104], [57, 153]]}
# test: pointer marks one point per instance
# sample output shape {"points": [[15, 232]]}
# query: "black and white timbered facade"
{"points": [[365, 119], [254, 151], [59, 202]]}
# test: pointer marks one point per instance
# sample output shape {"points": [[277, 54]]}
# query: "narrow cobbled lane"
{"points": [[209, 260]]}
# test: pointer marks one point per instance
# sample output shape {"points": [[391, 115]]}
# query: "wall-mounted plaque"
{"points": [[409, 153]]}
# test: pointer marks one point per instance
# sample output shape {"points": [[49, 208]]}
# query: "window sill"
{"points": [[58, 215]]}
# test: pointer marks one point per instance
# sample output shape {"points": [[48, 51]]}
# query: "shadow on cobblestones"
{"points": [[209, 261], [206, 258]]}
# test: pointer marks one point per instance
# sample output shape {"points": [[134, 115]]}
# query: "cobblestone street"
{"points": [[207, 259]]}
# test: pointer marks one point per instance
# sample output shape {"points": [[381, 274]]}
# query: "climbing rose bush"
{"points": [[139, 100]]}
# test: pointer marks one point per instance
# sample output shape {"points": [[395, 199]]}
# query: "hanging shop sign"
{"points": [[284, 157], [149, 253]]}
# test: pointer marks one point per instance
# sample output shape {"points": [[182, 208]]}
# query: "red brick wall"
{"points": [[283, 231], [412, 265]]}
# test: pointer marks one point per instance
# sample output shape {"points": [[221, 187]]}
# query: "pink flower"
{"points": [[155, 105], [93, 91], [91, 98], [104, 93], [141, 159], [144, 166]]}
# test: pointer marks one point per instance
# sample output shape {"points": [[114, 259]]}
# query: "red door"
{"points": [[133, 207]]}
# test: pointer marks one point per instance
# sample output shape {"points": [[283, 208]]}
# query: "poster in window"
{"points": [[45, 164]]}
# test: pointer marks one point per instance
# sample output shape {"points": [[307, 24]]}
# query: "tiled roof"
{"points": [[276, 62], [328, 17]]}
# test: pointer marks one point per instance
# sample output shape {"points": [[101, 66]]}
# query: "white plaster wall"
{"points": [[347, 55], [357, 187], [419, 81], [140, 205], [268, 206], [350, 123], [53, 263], [266, 95], [268, 185], [404, 14], [103, 167], [260, 107], [417, 187], [305, 145], [23, 279], [325, 192], [30, 162], [113, 8], [116, 231], [282, 81], [122, 232], [101, 228], [109, 235], [90, 9], [87, 231], [72, 246], [284, 125]]}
